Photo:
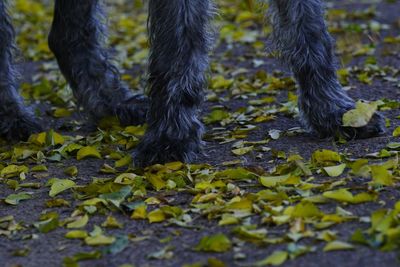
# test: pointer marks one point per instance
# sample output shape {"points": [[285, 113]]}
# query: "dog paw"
{"points": [[153, 150], [375, 127], [19, 127], [133, 111]]}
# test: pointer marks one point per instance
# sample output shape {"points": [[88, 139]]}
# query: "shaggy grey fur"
{"points": [[301, 38], [180, 43], [16, 121], [76, 40]]}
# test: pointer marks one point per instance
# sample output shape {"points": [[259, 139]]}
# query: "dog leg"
{"points": [[303, 42], [76, 39], [180, 44], [17, 122]]}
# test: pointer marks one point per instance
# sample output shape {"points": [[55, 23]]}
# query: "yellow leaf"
{"points": [[325, 157], [305, 210], [174, 166], [58, 139], [277, 258], [272, 181], [140, 213], [338, 245], [335, 171], [86, 152], [62, 113], [340, 195], [13, 170], [60, 185], [76, 234], [242, 205], [99, 240], [381, 220], [71, 171], [112, 222], [123, 162], [156, 181], [242, 151], [14, 199], [343, 195], [363, 197], [361, 115], [156, 216], [219, 82], [380, 175], [79, 222], [216, 115], [214, 243], [396, 131], [228, 219]]}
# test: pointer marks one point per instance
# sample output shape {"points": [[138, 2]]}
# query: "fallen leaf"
{"points": [[88, 152], [214, 243], [361, 115], [338, 245], [60, 185]]}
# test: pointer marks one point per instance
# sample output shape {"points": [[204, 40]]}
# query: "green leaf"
{"points": [[335, 171], [81, 256], [60, 185], [277, 258], [338, 245], [112, 222], [272, 181], [396, 132], [48, 222], [99, 240], [13, 171], [121, 243], [361, 115], [79, 222], [76, 234], [88, 152], [156, 216], [242, 151], [306, 210], [62, 113], [214, 243], [325, 157], [116, 198], [14, 199], [219, 82], [125, 161], [381, 176], [71, 171], [216, 115], [156, 181]]}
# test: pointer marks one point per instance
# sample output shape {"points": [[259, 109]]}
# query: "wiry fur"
{"points": [[76, 40], [180, 42], [301, 38], [16, 121]]}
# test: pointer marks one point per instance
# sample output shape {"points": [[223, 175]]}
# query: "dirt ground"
{"points": [[362, 29]]}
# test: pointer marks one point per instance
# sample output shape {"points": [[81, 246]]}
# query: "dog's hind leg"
{"points": [[76, 39], [303, 42], [16, 121]]}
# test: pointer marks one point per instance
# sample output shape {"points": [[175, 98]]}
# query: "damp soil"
{"points": [[50, 249]]}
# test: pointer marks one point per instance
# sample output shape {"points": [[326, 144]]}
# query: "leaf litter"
{"points": [[264, 200]]}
